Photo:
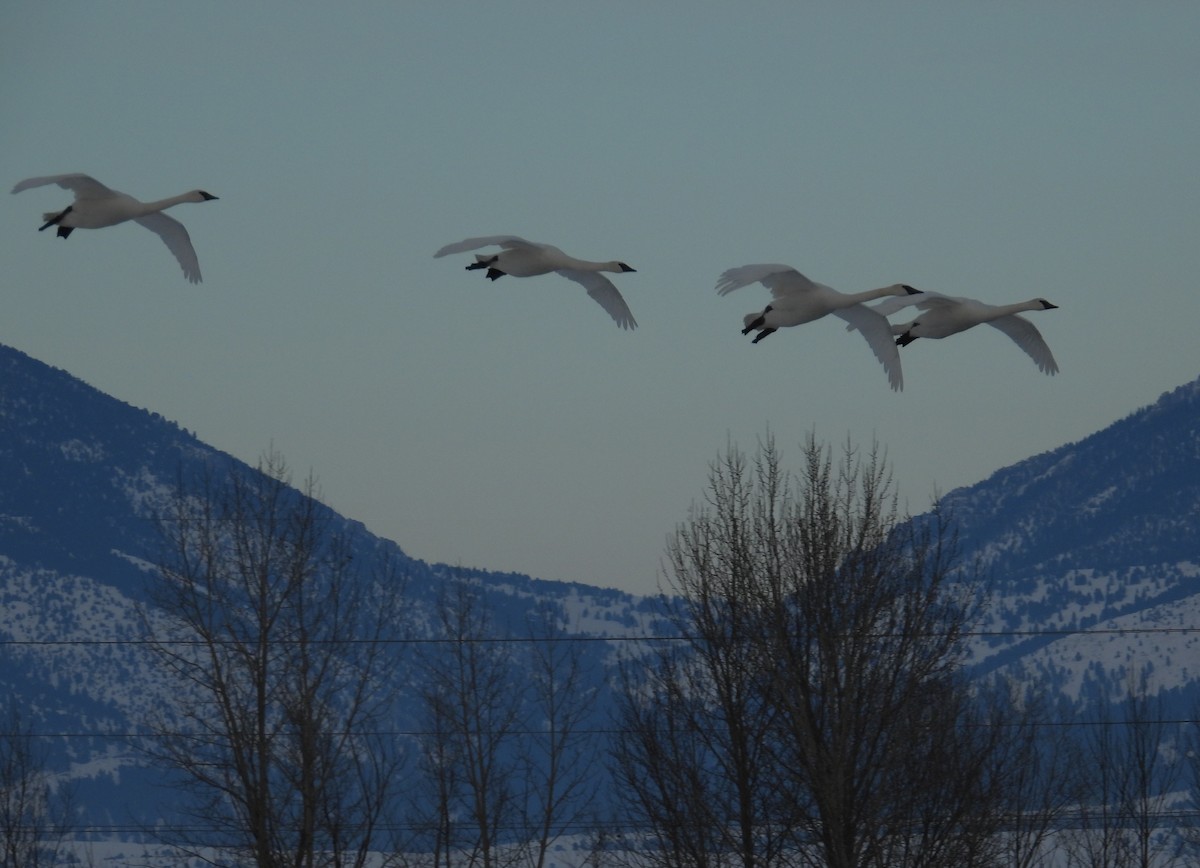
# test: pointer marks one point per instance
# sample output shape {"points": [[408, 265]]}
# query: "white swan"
{"points": [[97, 206], [946, 315], [798, 300], [522, 258]]}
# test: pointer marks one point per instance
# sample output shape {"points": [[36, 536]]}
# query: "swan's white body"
{"points": [[97, 206], [946, 315], [798, 300], [521, 258]]}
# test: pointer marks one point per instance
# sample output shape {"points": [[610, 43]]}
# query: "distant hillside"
{"points": [[1103, 533], [84, 477], [1125, 496]]}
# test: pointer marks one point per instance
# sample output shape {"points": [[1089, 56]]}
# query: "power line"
{"points": [[1075, 723], [1076, 819], [527, 640]]}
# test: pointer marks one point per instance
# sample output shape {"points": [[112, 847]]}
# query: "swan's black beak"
{"points": [[910, 289], [208, 197], [625, 267], [1048, 306]]}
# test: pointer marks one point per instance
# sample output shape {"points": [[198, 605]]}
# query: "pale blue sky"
{"points": [[1001, 151]]}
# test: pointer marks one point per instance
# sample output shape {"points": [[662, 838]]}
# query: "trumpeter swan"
{"points": [[521, 258], [97, 206], [946, 315], [798, 300]]}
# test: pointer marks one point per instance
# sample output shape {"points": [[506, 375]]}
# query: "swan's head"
{"points": [[622, 267], [1047, 305], [200, 196]]}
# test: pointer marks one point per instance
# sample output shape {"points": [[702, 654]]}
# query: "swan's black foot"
{"points": [[482, 263], [905, 339], [762, 334], [494, 274], [55, 220], [64, 231], [754, 325]]}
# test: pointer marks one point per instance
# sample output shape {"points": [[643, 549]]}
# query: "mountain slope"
{"points": [[1092, 551], [1127, 495], [85, 478]]}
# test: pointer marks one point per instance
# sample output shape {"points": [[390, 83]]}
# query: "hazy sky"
{"points": [[1002, 150]]}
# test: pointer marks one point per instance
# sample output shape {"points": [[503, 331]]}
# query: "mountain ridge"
{"points": [[1092, 551], [1106, 501]]}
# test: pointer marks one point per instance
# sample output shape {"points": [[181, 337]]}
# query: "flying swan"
{"points": [[798, 300], [521, 258], [946, 315], [97, 206]]}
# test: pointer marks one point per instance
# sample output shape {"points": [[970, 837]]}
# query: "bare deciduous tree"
{"points": [[1042, 761], [471, 722], [696, 751], [504, 751], [819, 704], [663, 768], [562, 764], [868, 639], [1129, 770], [34, 814], [1190, 767], [278, 639]]}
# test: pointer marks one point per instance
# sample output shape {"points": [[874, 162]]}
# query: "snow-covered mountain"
{"points": [[1093, 552], [82, 479]]}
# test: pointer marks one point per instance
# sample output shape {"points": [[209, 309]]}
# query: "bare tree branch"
{"points": [[276, 639], [819, 683]]}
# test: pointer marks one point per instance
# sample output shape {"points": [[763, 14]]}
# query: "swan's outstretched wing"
{"points": [[176, 238], [878, 333], [601, 288], [83, 186], [1026, 336], [780, 279], [507, 241]]}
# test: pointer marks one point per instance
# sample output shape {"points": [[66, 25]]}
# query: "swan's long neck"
{"points": [[1007, 309], [587, 265], [163, 204], [872, 294]]}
